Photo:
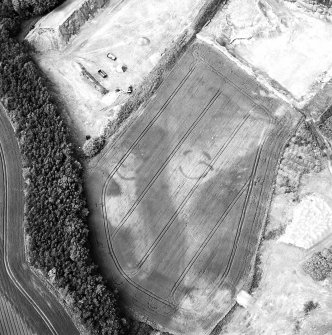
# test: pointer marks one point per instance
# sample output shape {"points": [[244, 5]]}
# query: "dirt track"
{"points": [[36, 305], [165, 196]]}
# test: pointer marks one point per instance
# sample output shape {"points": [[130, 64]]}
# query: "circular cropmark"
{"points": [[130, 167], [195, 165]]}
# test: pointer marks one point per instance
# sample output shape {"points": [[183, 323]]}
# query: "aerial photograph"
{"points": [[165, 167]]}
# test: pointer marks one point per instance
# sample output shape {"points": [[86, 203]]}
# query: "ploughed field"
{"points": [[178, 199]]}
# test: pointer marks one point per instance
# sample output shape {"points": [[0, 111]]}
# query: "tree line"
{"points": [[55, 206], [28, 8], [319, 265], [326, 3]]}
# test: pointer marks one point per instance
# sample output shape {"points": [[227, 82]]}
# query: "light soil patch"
{"points": [[281, 296], [137, 32], [280, 41], [284, 287], [177, 200], [312, 221]]}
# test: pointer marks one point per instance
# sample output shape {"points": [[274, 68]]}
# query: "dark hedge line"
{"points": [[327, 3], [319, 265], [152, 82], [55, 208], [28, 8]]}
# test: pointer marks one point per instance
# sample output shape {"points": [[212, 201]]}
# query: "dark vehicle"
{"points": [[111, 56], [130, 89], [102, 73]]}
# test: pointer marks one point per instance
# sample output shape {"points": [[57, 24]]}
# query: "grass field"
{"points": [[178, 199]]}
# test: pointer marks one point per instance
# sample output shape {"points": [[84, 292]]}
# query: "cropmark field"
{"points": [[178, 199]]}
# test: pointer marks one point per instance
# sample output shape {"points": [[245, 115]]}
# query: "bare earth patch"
{"points": [[281, 296], [280, 41], [136, 31], [284, 288]]}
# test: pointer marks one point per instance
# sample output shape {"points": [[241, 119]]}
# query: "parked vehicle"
{"points": [[111, 56], [130, 89], [102, 73]]}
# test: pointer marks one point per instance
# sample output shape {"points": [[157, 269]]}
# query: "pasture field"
{"points": [[178, 199]]}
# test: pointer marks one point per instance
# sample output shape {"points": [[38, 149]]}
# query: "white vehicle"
{"points": [[111, 56], [102, 73], [130, 89]]}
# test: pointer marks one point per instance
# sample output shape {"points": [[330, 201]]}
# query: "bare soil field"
{"points": [[280, 41], [177, 200], [137, 32]]}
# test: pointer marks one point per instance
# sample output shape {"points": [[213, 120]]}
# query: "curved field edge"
{"points": [[55, 207], [11, 319], [17, 282], [269, 104], [255, 274], [58, 246]]}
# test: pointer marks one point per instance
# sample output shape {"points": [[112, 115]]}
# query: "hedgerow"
{"points": [[154, 79], [319, 265], [28, 8], [55, 207]]}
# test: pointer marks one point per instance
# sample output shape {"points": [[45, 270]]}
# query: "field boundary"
{"points": [[108, 146], [248, 284], [204, 58], [170, 156], [267, 82], [6, 243], [250, 181], [160, 72]]}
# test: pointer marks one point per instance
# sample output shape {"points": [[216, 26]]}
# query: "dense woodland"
{"points": [[55, 208], [319, 265], [28, 8], [55, 205], [327, 3]]}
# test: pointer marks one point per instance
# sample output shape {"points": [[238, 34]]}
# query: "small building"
{"points": [[245, 299]]}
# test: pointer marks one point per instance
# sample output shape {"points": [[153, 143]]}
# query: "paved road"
{"points": [[25, 291]]}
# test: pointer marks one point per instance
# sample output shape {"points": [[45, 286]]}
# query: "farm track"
{"points": [[276, 153], [243, 214], [201, 248], [189, 195], [104, 153], [245, 149], [248, 184], [165, 229], [165, 163], [25, 290]]}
